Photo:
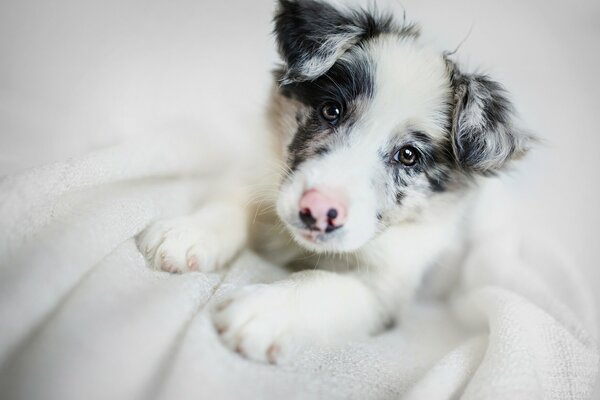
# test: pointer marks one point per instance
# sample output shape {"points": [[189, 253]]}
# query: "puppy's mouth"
{"points": [[317, 241], [317, 236]]}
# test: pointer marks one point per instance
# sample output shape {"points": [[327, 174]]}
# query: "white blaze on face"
{"points": [[411, 92], [412, 88]]}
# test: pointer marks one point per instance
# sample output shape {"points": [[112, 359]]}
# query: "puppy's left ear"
{"points": [[485, 138]]}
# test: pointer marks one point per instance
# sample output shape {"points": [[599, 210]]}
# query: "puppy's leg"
{"points": [[203, 241], [268, 322]]}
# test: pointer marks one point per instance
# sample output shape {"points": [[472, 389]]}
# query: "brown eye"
{"points": [[331, 112], [407, 156]]}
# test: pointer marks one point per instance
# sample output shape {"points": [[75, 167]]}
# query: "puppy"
{"points": [[384, 142]]}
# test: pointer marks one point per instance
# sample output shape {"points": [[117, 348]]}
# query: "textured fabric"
{"points": [[82, 316]]}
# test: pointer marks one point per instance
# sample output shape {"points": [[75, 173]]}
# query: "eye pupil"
{"points": [[331, 112], [406, 155]]}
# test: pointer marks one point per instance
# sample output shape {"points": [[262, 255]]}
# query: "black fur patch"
{"points": [[309, 138], [322, 150], [400, 197], [438, 180], [345, 81], [309, 29]]}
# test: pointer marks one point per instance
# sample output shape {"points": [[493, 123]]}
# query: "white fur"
{"points": [[412, 87]]}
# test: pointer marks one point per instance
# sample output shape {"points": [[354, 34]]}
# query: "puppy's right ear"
{"points": [[313, 35]]}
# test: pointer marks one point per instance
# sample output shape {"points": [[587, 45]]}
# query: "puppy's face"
{"points": [[377, 126]]}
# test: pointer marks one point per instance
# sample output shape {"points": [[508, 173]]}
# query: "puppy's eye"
{"points": [[407, 155], [331, 112]]}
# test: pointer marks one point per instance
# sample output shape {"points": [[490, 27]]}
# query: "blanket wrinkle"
{"points": [[447, 378], [529, 354], [54, 266], [167, 364]]}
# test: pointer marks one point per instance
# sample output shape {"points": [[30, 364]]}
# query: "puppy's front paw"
{"points": [[180, 245], [257, 322]]}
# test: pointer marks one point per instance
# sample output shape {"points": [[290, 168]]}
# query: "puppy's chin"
{"points": [[341, 241]]}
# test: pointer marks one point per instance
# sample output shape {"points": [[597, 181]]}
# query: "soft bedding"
{"points": [[82, 315]]}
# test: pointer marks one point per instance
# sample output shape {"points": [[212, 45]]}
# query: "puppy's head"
{"points": [[376, 126]]}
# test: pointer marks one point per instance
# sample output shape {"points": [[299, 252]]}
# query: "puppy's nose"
{"points": [[322, 212]]}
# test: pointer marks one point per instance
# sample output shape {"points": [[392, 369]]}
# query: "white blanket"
{"points": [[82, 317]]}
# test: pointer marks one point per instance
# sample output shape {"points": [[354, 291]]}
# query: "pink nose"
{"points": [[322, 212]]}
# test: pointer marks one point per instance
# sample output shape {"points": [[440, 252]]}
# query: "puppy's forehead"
{"points": [[411, 86]]}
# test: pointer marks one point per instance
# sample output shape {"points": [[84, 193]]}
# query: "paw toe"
{"points": [[273, 353], [202, 257], [193, 263]]}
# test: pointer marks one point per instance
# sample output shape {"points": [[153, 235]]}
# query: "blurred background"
{"points": [[76, 76]]}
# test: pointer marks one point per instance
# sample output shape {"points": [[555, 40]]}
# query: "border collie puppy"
{"points": [[385, 142]]}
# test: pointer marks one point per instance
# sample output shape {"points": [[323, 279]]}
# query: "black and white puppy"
{"points": [[385, 142]]}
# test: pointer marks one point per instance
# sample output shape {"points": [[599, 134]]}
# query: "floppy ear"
{"points": [[312, 35], [484, 136]]}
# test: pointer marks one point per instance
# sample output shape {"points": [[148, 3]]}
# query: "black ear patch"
{"points": [[312, 35], [484, 136]]}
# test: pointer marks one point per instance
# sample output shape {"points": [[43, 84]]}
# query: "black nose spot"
{"points": [[307, 218], [332, 213]]}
